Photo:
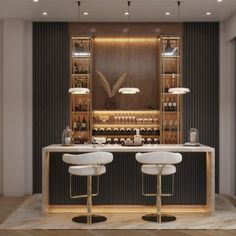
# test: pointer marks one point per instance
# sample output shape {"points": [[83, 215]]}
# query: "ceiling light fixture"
{"points": [[219, 0], [208, 13], [126, 13], [167, 13], [44, 13], [179, 90], [129, 90], [36, 0], [85, 13]]}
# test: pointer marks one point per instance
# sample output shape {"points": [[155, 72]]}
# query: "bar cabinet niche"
{"points": [[170, 103], [156, 126], [81, 55]]}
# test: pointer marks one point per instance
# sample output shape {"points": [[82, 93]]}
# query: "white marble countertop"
{"points": [[120, 148]]}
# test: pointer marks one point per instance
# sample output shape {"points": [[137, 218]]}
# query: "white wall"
{"points": [[227, 107], [17, 107], [1, 111]]}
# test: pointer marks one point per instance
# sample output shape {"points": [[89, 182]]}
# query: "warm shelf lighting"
{"points": [[179, 90], [125, 39], [79, 90]]}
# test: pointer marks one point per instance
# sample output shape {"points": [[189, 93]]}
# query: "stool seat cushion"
{"points": [[87, 170], [158, 169]]}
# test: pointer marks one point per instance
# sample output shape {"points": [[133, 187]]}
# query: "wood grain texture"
{"points": [[120, 29], [139, 57]]}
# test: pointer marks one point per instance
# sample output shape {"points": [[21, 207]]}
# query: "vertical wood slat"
{"points": [[201, 75], [121, 184], [50, 89]]}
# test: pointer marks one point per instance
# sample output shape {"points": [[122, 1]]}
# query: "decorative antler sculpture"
{"points": [[106, 85]]}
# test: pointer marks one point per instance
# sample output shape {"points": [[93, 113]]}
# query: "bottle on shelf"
{"points": [[149, 141], [108, 140], [156, 141], [101, 131], [122, 140], [116, 131], [122, 131], [137, 138], [108, 131], [173, 80], [84, 124], [128, 131], [78, 124], [142, 131], [95, 131], [170, 105], [149, 131], [174, 104], [116, 140]]}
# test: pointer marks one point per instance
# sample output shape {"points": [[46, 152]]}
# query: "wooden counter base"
{"points": [[209, 208]]}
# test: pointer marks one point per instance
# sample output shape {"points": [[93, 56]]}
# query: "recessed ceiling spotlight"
{"points": [[36, 0], [85, 13], [167, 13], [44, 13], [219, 0], [126, 13], [208, 13]]}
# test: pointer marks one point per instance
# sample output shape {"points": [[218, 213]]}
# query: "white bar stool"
{"points": [[88, 164], [158, 163]]}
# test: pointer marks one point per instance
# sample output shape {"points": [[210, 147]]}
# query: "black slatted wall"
{"points": [[50, 86], [201, 75]]}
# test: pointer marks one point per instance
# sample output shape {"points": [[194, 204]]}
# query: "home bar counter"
{"points": [[121, 184]]}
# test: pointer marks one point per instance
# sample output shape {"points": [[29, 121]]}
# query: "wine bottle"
{"points": [[174, 105], [149, 131], [108, 140], [108, 131], [78, 124], [128, 131], [170, 106], [101, 131], [122, 131], [165, 105], [95, 131], [115, 130], [83, 124]]}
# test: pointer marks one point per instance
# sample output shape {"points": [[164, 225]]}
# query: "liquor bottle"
{"points": [[137, 138], [173, 80], [165, 104], [95, 131], [101, 131], [149, 131], [108, 140], [170, 105], [174, 104], [142, 131], [156, 131], [78, 124], [75, 68], [75, 126], [108, 131], [122, 131], [116, 140], [83, 124], [115, 130], [149, 140], [122, 140], [128, 131], [167, 86]]}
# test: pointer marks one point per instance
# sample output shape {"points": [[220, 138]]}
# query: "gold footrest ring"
{"points": [[86, 219], [155, 218]]}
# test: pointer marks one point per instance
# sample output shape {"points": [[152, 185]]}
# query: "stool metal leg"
{"points": [[158, 217], [89, 218]]}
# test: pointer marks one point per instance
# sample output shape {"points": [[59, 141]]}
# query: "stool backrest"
{"points": [[91, 158], [159, 158]]}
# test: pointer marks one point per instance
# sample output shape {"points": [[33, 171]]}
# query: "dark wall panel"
{"points": [[121, 184], [201, 75], [50, 89]]}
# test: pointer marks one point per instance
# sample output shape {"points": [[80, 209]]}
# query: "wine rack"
{"points": [[81, 78], [119, 126], [170, 103]]}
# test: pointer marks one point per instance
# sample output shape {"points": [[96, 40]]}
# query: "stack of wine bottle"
{"points": [[170, 104], [80, 125], [125, 131], [123, 140]]}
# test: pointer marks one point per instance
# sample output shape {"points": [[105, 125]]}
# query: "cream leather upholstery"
{"points": [[159, 158], [158, 169], [92, 158], [87, 170]]}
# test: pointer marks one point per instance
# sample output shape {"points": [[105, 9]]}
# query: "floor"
{"points": [[9, 204]]}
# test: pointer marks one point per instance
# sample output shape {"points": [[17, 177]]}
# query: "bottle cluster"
{"points": [[80, 125], [123, 140], [170, 104], [125, 131]]}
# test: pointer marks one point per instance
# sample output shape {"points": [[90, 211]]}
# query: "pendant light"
{"points": [[178, 90], [79, 90], [129, 89]]}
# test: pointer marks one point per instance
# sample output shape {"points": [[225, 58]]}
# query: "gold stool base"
{"points": [[155, 218], [85, 219]]}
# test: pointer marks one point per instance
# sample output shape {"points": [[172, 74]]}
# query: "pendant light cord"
{"points": [[79, 9], [129, 41], [178, 11]]}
